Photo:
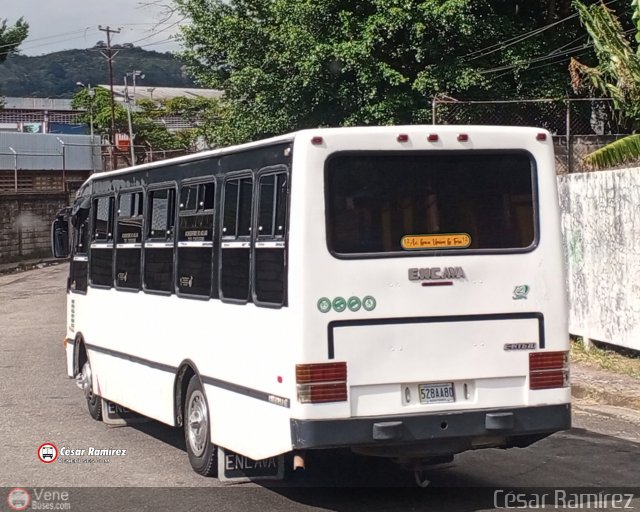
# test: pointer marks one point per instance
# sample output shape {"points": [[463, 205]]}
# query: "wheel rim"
{"points": [[86, 381], [197, 423]]}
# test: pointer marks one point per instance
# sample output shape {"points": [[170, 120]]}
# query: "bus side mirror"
{"points": [[60, 238]]}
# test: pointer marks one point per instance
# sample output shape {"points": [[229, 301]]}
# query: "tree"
{"points": [[287, 65], [149, 131], [11, 37], [617, 75]]}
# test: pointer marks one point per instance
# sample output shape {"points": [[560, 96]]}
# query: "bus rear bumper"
{"points": [[433, 433]]}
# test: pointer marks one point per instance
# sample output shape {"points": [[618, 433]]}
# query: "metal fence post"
{"points": [[64, 164], [568, 138], [15, 168], [433, 110]]}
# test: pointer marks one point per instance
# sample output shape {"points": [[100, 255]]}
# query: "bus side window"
{"points": [[270, 248], [101, 267], [129, 241], [158, 248], [195, 239], [235, 244], [80, 259]]}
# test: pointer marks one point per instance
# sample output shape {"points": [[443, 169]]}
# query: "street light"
{"points": [[133, 74], [91, 93], [128, 101]]}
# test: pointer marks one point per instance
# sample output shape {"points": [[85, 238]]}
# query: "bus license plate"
{"points": [[437, 393]]}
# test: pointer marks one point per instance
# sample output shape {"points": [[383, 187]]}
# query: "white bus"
{"points": [[398, 291]]}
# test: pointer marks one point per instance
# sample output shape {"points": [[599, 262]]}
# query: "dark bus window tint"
{"points": [[79, 264], [195, 244], [281, 210], [206, 196], [129, 240], [270, 275], [80, 223], [270, 253], [235, 262], [125, 206], [244, 207], [189, 198], [161, 217], [234, 277], [103, 219], [101, 267], [136, 210], [374, 200], [267, 202], [230, 208], [158, 251]]}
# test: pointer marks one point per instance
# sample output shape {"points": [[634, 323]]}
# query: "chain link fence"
{"points": [[578, 126]]}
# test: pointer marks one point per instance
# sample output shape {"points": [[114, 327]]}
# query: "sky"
{"points": [[56, 25]]}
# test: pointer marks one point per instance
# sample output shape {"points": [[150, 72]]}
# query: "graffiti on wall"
{"points": [[601, 229]]}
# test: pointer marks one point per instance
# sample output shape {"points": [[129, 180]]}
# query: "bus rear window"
{"points": [[421, 202]]}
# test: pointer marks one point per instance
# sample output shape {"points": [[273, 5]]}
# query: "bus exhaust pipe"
{"points": [[298, 461]]}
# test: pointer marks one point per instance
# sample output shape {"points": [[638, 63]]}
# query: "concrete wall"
{"points": [[601, 225], [25, 224]]}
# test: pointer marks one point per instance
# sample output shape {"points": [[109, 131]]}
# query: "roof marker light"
{"points": [[541, 136], [463, 137], [433, 137], [402, 137], [317, 140]]}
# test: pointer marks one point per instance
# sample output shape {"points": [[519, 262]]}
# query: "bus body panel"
{"points": [[461, 352], [133, 369]]}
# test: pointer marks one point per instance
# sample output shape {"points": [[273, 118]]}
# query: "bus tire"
{"points": [[197, 434], [94, 402]]}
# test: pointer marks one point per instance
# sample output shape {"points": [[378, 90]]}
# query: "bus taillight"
{"points": [[322, 382], [548, 370]]}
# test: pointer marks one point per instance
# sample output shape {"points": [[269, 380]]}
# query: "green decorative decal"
{"points": [[520, 292], [339, 304], [354, 303], [369, 303], [324, 305]]}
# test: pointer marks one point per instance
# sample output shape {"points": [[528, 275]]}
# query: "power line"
{"points": [[552, 55], [518, 39], [54, 36], [488, 50]]}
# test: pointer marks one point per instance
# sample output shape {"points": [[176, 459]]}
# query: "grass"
{"points": [[604, 356]]}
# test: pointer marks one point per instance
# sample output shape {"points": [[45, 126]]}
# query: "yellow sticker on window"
{"points": [[426, 242]]}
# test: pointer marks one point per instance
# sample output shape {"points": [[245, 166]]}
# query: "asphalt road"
{"points": [[39, 403]]}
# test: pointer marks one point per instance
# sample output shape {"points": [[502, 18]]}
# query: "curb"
{"points": [[582, 391]]}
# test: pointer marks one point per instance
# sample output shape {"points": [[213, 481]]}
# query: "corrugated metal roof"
{"points": [[165, 93], [44, 151], [36, 104]]}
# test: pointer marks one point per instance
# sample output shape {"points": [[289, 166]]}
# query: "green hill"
{"points": [[55, 75]]}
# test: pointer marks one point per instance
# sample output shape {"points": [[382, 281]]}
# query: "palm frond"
{"points": [[622, 151]]}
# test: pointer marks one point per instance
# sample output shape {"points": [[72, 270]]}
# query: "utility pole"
{"points": [[110, 56]]}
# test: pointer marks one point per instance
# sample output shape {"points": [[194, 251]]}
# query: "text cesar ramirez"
{"points": [[99, 452]]}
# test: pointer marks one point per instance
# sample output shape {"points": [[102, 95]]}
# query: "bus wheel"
{"points": [[202, 452], [94, 402]]}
